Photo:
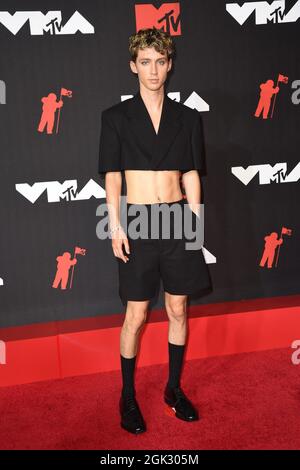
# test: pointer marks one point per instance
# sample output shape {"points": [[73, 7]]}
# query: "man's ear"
{"points": [[133, 66], [170, 64]]}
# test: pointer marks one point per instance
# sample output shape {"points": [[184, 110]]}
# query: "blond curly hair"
{"points": [[151, 37]]}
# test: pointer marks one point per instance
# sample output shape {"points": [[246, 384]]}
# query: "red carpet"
{"points": [[247, 401]]}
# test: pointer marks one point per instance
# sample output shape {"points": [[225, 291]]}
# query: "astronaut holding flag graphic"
{"points": [[50, 106], [64, 263]]}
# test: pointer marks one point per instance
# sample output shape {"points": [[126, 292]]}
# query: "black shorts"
{"points": [[183, 271]]}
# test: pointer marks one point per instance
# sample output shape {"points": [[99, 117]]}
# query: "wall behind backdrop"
{"points": [[62, 63]]}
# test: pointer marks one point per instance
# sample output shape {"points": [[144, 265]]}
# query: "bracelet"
{"points": [[117, 227]]}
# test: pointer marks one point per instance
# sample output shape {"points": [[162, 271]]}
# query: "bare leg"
{"points": [[176, 311], [136, 314], [131, 417], [173, 394]]}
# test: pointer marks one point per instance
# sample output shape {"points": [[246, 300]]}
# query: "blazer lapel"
{"points": [[154, 146]]}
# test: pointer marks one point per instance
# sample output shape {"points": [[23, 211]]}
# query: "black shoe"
{"points": [[132, 419], [182, 406]]}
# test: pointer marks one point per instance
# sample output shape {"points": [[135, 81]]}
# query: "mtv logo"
{"points": [[165, 18]]}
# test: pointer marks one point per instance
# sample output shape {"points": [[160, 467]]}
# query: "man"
{"points": [[155, 140]]}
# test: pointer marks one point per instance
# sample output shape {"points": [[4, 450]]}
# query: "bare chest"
{"points": [[155, 117]]}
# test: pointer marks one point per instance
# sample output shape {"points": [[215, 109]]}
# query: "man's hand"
{"points": [[118, 240]]}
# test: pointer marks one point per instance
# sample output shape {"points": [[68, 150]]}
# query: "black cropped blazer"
{"points": [[128, 140]]}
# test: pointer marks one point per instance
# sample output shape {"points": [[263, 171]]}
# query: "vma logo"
{"points": [[264, 12], [50, 23], [2, 352], [56, 192], [267, 173], [165, 18]]}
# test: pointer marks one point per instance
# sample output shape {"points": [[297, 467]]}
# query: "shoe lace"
{"points": [[179, 393], [131, 404]]}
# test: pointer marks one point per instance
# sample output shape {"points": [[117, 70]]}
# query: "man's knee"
{"points": [[136, 315], [176, 307]]}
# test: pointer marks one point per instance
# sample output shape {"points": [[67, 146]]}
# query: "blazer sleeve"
{"points": [[197, 144], [109, 147]]}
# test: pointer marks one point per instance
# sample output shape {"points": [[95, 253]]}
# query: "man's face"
{"points": [[152, 68]]}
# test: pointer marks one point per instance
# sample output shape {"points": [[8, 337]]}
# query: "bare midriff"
{"points": [[150, 187]]}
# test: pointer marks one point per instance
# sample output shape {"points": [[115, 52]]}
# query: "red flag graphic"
{"points": [[282, 78], [79, 251], [286, 231], [65, 92]]}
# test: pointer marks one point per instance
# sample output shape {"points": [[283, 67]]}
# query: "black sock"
{"points": [[127, 367], [176, 352]]}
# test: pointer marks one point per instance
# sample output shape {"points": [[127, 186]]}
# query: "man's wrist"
{"points": [[115, 229]]}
